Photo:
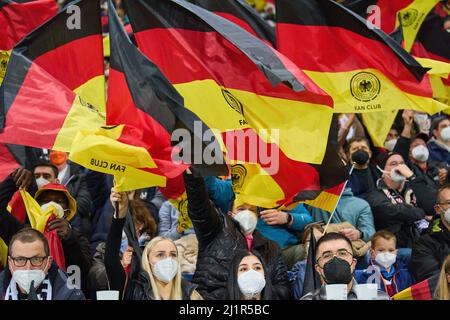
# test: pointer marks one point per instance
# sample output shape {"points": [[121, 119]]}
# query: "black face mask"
{"points": [[360, 157], [337, 271]]}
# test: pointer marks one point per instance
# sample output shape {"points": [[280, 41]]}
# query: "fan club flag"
{"points": [[230, 79], [359, 65], [66, 55], [17, 18], [242, 14]]}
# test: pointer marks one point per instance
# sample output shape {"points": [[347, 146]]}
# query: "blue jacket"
{"points": [[220, 192], [352, 209], [400, 279], [437, 153], [282, 235]]}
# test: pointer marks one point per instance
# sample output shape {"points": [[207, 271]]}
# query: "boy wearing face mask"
{"points": [[385, 270], [430, 250], [401, 201], [32, 275], [335, 264], [220, 235]]}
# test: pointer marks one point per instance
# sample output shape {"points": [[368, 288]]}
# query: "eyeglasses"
{"points": [[329, 255], [444, 203], [22, 261]]}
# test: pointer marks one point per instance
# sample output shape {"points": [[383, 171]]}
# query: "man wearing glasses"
{"points": [[31, 274], [335, 265], [430, 250]]}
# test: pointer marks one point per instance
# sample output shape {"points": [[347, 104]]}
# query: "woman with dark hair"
{"points": [[248, 278]]}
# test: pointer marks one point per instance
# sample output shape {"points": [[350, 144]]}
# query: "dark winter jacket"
{"points": [[429, 252], [58, 280]]}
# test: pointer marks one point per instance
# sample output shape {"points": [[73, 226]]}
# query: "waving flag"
{"points": [[242, 14], [359, 65], [17, 18]]}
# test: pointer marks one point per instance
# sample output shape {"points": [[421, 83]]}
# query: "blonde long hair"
{"points": [[175, 290], [443, 287]]}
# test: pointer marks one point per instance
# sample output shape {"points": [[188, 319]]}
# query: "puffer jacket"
{"points": [[219, 237], [429, 252]]}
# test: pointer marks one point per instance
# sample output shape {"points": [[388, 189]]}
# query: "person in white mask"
{"points": [[45, 173], [439, 144], [220, 234], [388, 272], [430, 250], [159, 275], [32, 275], [401, 201], [391, 139], [248, 277]]}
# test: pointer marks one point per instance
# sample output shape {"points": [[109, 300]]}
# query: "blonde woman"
{"points": [[443, 288], [160, 276]]}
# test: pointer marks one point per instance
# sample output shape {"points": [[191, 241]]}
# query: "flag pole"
{"points": [[337, 202]]}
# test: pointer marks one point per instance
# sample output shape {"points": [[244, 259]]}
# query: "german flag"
{"points": [[362, 68], [242, 14], [66, 55], [17, 19], [140, 96], [213, 62], [423, 290]]}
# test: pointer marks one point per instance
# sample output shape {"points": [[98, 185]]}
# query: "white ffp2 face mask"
{"points": [[165, 270], [247, 220], [420, 153], [24, 278], [445, 134], [386, 259], [251, 283]]}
